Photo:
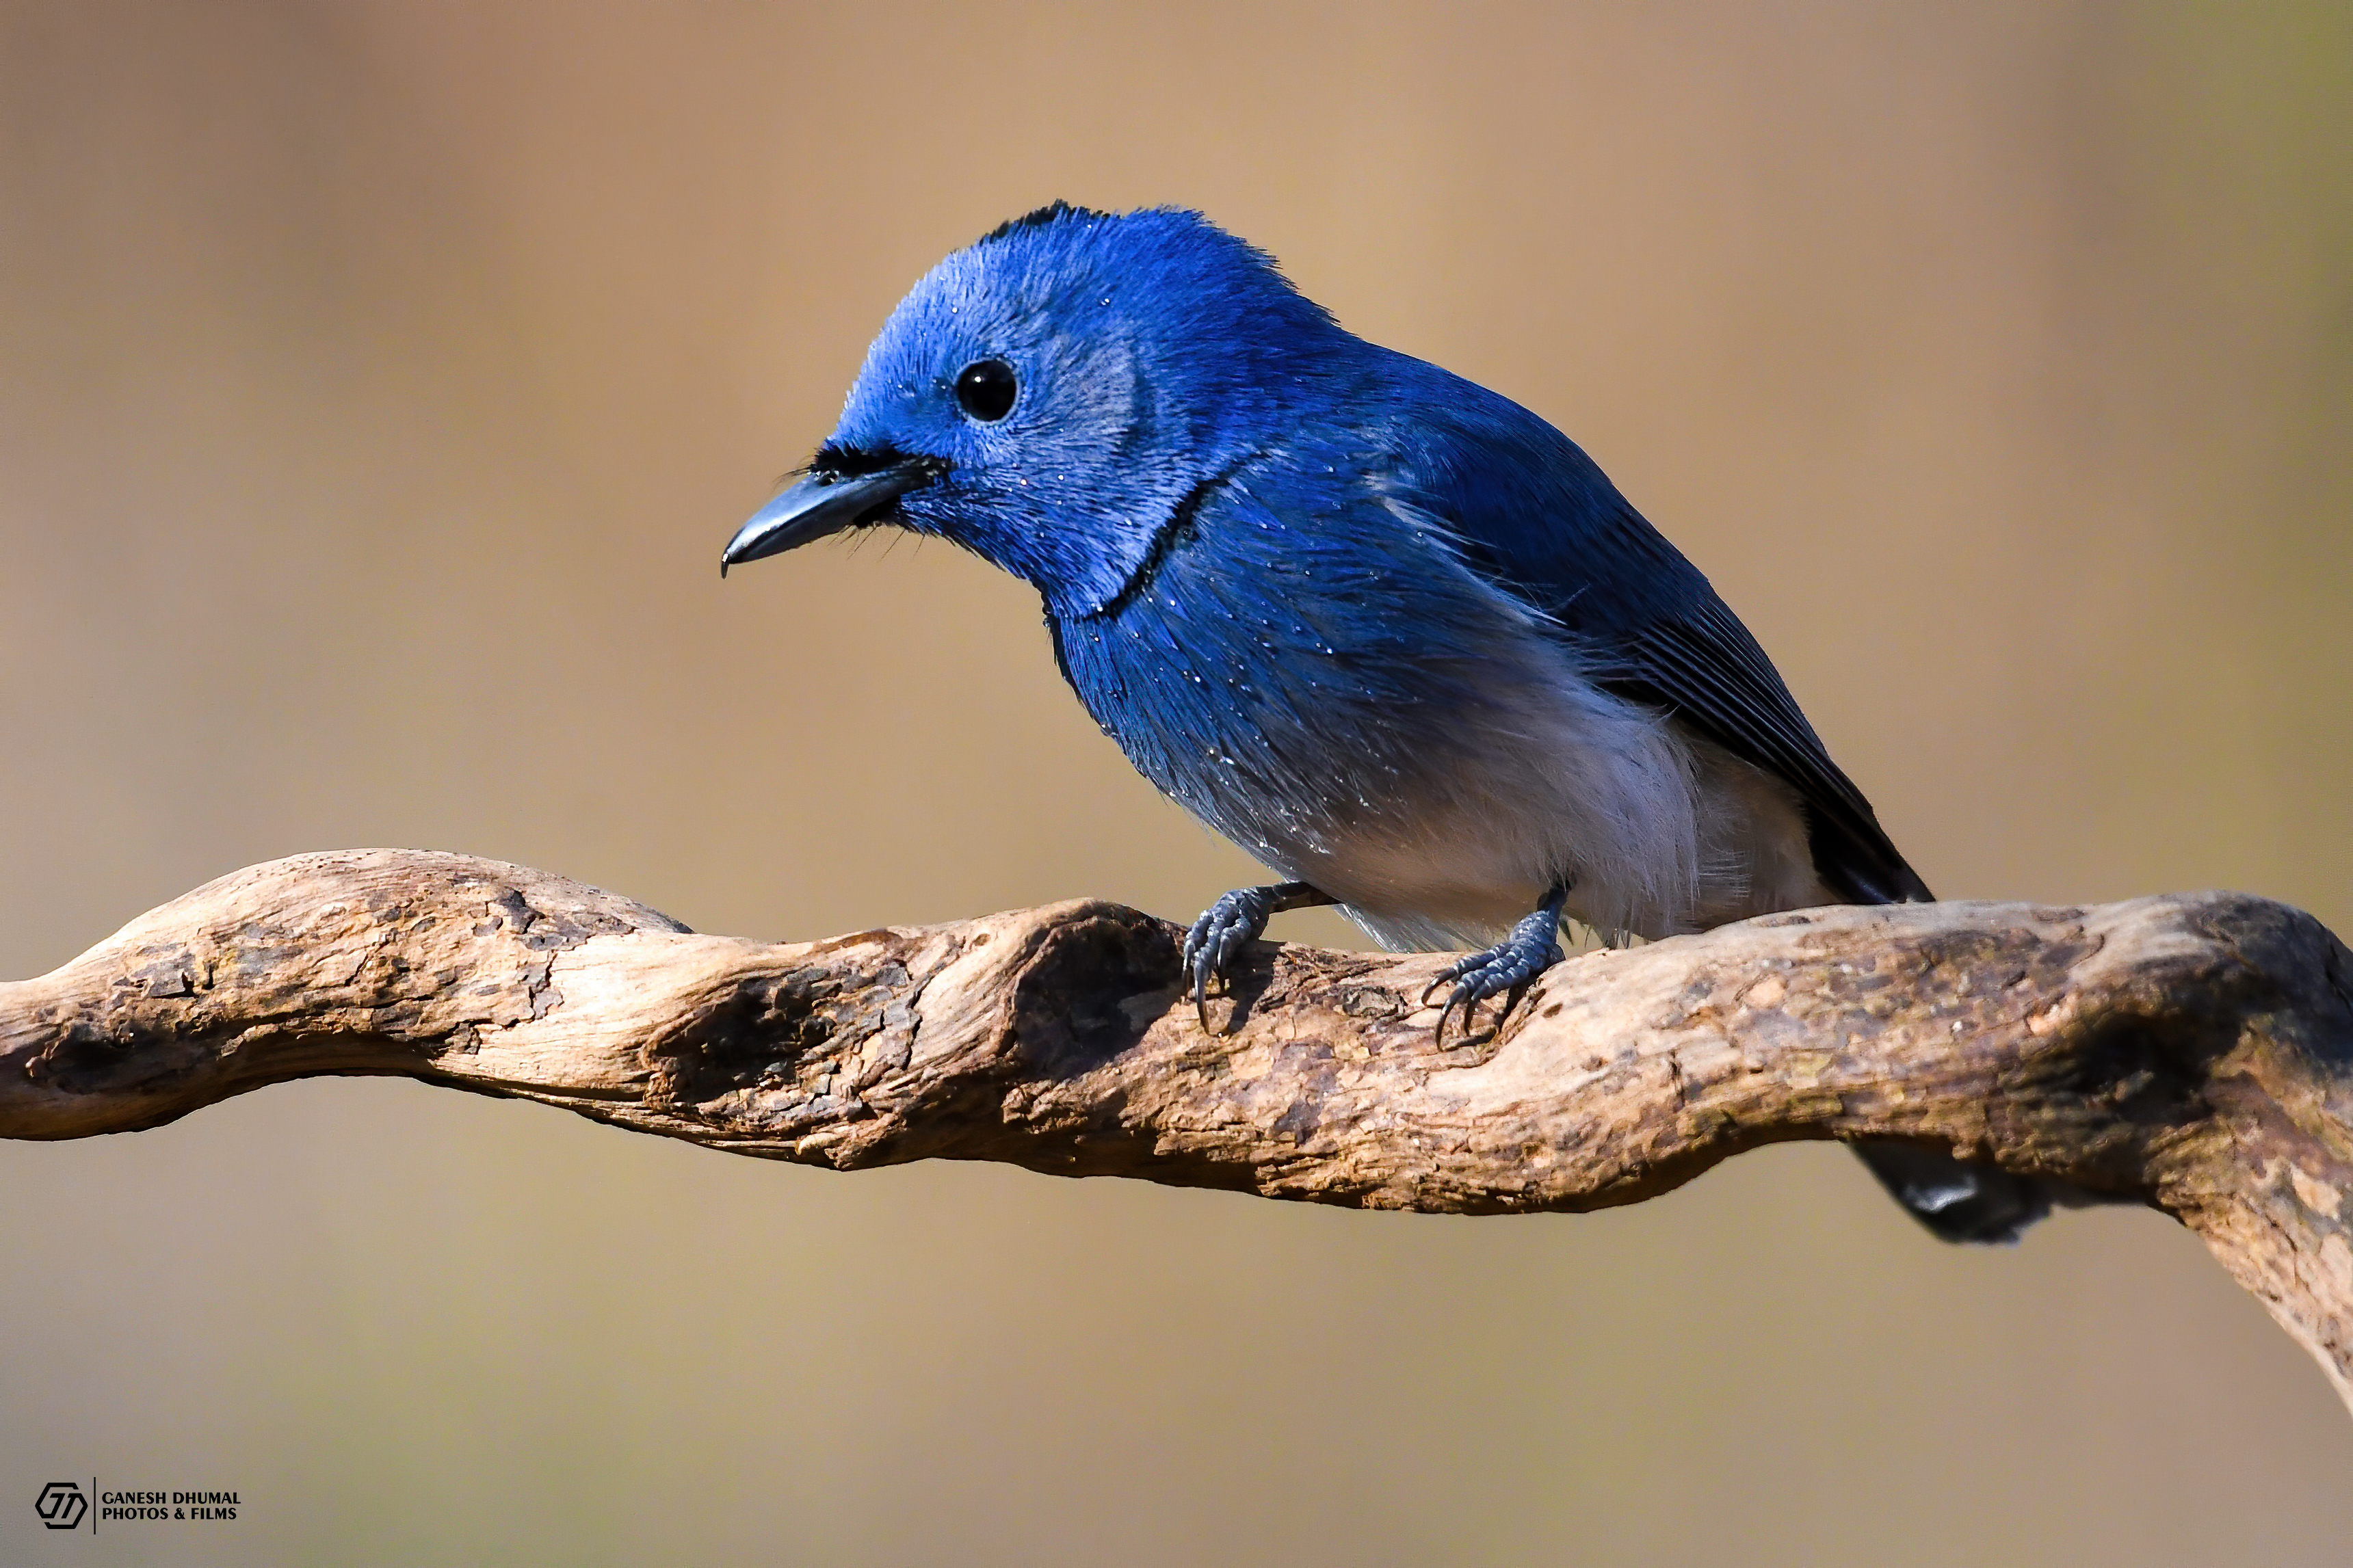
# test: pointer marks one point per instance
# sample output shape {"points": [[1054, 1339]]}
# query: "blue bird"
{"points": [[1389, 632]]}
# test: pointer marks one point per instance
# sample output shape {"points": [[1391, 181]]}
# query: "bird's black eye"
{"points": [[987, 389]]}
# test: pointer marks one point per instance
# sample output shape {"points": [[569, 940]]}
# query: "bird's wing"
{"points": [[1700, 664], [1539, 517]]}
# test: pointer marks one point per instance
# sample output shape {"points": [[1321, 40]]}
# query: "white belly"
{"points": [[1656, 829]]}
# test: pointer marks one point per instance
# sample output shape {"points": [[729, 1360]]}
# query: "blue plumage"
{"points": [[1392, 633]]}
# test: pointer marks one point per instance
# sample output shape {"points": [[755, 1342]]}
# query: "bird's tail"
{"points": [[1963, 1200], [1957, 1200]]}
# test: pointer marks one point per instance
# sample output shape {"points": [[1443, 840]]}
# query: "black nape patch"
{"points": [[1052, 212]]}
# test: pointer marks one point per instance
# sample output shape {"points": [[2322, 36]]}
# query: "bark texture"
{"points": [[2192, 1052]]}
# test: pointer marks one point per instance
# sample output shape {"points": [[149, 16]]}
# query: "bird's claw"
{"points": [[1218, 938], [1533, 947]]}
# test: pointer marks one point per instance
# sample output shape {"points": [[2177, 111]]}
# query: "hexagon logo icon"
{"points": [[61, 1505]]}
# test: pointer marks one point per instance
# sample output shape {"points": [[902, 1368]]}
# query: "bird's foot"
{"points": [[1231, 924], [1533, 947]]}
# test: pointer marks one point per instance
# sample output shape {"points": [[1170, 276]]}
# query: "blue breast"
{"points": [[1296, 656]]}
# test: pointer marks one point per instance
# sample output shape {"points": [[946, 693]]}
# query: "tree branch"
{"points": [[2192, 1052]]}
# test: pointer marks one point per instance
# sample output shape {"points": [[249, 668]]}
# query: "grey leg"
{"points": [[1231, 924], [1533, 947]]}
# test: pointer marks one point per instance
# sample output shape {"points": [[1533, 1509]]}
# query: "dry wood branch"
{"points": [[2193, 1052]]}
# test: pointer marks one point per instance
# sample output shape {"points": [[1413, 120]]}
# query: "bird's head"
{"points": [[1050, 397]]}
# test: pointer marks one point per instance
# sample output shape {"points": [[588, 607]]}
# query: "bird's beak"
{"points": [[823, 504]]}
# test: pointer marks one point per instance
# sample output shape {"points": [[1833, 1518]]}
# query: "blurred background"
{"points": [[379, 380]]}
